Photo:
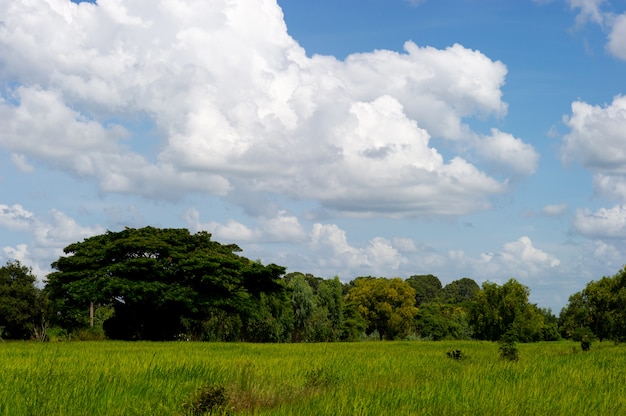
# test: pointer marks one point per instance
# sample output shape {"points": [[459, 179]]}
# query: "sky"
{"points": [[460, 138]]}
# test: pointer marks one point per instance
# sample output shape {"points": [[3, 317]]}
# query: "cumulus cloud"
{"points": [[15, 217], [237, 103], [50, 234], [596, 139], [604, 223], [610, 186], [608, 254], [509, 153], [283, 228], [519, 259], [522, 251], [331, 246]]}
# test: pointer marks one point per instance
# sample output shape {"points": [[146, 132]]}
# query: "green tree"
{"points": [[386, 304], [575, 316], [497, 310], [20, 307], [427, 288], [160, 282], [271, 320], [598, 307], [439, 321], [303, 306], [327, 322], [460, 291], [550, 330]]}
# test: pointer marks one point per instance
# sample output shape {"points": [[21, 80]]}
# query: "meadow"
{"points": [[362, 378]]}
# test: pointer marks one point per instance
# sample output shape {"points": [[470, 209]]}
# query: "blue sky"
{"points": [[481, 139]]}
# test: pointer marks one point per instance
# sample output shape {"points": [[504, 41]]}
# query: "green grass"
{"points": [[373, 378]]}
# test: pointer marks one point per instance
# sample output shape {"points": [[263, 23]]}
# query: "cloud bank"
{"points": [[236, 106]]}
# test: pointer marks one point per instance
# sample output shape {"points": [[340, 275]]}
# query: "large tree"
{"points": [[427, 288], [497, 310], [161, 282], [20, 308], [460, 291], [598, 307], [388, 305]]}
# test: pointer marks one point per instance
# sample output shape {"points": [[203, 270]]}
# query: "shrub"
{"points": [[508, 347], [454, 354], [207, 400]]}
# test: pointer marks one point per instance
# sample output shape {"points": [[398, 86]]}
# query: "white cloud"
{"points": [[592, 11], [589, 11], [44, 127], [15, 217], [596, 139], [554, 210], [608, 254], [617, 37], [604, 223], [383, 256], [522, 251], [509, 153], [237, 104], [49, 235], [519, 259], [21, 163], [610, 186], [281, 228], [331, 248], [232, 231], [404, 245]]}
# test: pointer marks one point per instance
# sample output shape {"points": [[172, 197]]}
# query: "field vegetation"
{"points": [[364, 378]]}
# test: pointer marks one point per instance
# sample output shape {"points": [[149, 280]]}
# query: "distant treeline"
{"points": [[169, 284]]}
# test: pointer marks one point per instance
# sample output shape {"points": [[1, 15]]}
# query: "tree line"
{"points": [[169, 284]]}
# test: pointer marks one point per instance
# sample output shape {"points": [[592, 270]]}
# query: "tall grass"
{"points": [[373, 378]]}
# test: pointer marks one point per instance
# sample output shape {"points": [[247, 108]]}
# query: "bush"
{"points": [[455, 354], [207, 400], [508, 347]]}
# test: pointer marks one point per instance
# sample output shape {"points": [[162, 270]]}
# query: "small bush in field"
{"points": [[585, 343], [454, 354], [508, 347], [207, 400]]}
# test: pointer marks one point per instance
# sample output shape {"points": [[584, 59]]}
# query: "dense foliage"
{"points": [[164, 284], [161, 283], [21, 303], [498, 310], [598, 310]]}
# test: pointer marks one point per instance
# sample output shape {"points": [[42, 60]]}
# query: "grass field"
{"points": [[368, 378]]}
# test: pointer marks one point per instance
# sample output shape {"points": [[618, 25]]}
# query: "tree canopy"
{"points": [[162, 284], [159, 281], [498, 310], [598, 308], [427, 288], [20, 304], [386, 304], [459, 291]]}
